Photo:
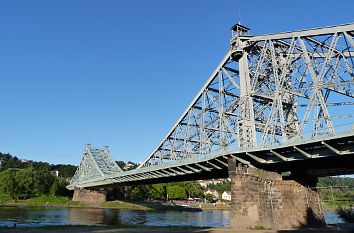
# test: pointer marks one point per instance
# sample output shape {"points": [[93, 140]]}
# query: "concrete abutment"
{"points": [[262, 198]]}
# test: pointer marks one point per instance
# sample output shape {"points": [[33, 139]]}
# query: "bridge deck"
{"points": [[317, 157]]}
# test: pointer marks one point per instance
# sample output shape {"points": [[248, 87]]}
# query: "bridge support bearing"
{"points": [[90, 196], [261, 198]]}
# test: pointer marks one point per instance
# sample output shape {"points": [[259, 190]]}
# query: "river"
{"points": [[30, 216]]}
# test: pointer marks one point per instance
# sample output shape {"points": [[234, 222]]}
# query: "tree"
{"points": [[8, 183], [39, 166], [7, 161], [157, 191], [209, 197], [121, 164], [44, 180], [62, 190], [65, 170], [176, 192], [116, 193], [54, 188], [25, 183], [140, 192], [192, 188]]}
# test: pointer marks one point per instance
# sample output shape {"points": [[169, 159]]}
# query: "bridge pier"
{"points": [[262, 198], [90, 196]]}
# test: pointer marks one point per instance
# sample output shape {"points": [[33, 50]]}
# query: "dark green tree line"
{"points": [[8, 161], [29, 182], [171, 191]]}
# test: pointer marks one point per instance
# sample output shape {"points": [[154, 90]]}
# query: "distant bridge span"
{"points": [[280, 102]]}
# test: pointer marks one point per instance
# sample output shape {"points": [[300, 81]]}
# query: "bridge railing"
{"points": [[341, 129]]}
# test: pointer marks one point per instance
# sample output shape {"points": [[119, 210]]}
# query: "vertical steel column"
{"points": [[246, 123]]}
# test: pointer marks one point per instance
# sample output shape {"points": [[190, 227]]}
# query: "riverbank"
{"points": [[49, 201], [344, 228], [40, 201]]}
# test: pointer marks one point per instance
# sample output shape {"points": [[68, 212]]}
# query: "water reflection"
{"points": [[332, 218], [91, 216], [28, 216], [35, 216], [76, 216]]}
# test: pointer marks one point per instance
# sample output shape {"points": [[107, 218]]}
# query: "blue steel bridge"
{"points": [[280, 102]]}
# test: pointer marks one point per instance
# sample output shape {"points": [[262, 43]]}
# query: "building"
{"points": [[205, 183], [214, 193], [226, 196], [128, 167], [55, 173]]}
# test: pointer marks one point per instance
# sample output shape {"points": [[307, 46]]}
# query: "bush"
{"points": [[176, 192], [4, 198], [25, 183]]}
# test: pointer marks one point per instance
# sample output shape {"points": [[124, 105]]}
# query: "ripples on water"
{"points": [[28, 216], [90, 216]]}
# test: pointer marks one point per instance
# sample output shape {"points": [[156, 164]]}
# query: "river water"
{"points": [[29, 216]]}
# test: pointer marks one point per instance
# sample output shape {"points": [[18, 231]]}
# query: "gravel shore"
{"points": [[345, 228]]}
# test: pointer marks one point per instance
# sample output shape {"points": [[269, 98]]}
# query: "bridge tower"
{"points": [[262, 198], [246, 123]]}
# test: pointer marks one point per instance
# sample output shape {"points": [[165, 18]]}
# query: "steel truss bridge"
{"points": [[281, 102]]}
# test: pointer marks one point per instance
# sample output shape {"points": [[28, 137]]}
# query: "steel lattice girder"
{"points": [[268, 89]]}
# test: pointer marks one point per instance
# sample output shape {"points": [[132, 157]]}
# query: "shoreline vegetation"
{"points": [[49, 201]]}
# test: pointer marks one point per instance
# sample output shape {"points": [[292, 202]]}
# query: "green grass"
{"points": [[123, 205], [37, 201], [4, 198], [210, 206], [136, 205], [67, 202], [44, 200], [49, 201], [156, 206], [333, 205]]}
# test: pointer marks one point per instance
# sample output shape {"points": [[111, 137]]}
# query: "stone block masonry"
{"points": [[262, 198], [90, 196]]}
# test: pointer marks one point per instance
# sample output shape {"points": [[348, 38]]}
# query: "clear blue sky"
{"points": [[120, 73]]}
